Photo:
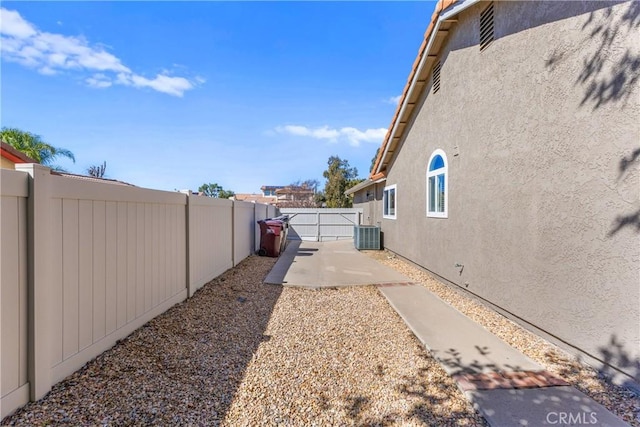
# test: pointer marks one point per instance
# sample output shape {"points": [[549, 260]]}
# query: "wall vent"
{"points": [[436, 77], [486, 27]]}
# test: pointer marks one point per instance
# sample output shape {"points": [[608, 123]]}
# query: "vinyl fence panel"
{"points": [[261, 212], [243, 230], [85, 263], [121, 255], [13, 290], [210, 239]]}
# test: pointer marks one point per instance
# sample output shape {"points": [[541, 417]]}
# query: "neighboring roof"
{"points": [[8, 152], [439, 26], [374, 179], [290, 189], [255, 198], [91, 178], [271, 187]]}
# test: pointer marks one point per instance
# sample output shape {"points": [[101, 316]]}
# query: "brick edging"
{"points": [[508, 380]]}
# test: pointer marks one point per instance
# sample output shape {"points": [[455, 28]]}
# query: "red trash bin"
{"points": [[273, 235], [270, 237]]}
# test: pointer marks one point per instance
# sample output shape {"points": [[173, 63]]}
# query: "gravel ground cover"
{"points": [[619, 400], [241, 353]]}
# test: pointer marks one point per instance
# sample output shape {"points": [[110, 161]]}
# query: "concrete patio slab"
{"points": [[457, 342], [541, 407], [329, 264]]}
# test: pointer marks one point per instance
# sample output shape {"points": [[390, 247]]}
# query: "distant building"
{"points": [[295, 196], [270, 190], [255, 198], [91, 178], [287, 196]]}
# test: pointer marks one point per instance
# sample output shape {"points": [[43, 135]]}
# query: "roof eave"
{"points": [[445, 10], [373, 179]]}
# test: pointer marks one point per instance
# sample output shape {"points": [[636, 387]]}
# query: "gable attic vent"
{"points": [[486, 27], [436, 77]]}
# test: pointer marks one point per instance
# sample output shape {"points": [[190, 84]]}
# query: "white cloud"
{"points": [[99, 81], [162, 83], [350, 134], [13, 24], [51, 53], [394, 99]]}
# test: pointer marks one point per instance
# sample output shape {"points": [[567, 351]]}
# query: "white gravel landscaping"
{"points": [[244, 353], [618, 400], [241, 353]]}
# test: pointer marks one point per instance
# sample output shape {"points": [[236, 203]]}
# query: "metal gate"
{"points": [[321, 224]]}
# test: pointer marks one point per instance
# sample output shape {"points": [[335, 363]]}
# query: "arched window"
{"points": [[437, 182]]}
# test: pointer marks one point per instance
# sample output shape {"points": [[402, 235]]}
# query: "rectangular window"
{"points": [[432, 194], [389, 202]]}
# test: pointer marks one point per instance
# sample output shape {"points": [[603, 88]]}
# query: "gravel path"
{"points": [[244, 353], [241, 353], [618, 400]]}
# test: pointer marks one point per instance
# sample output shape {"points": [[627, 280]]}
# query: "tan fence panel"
{"points": [[261, 212], [272, 211], [14, 189], [97, 261], [243, 230], [210, 239], [119, 259]]}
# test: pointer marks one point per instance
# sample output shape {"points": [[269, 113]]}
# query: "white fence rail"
{"points": [[320, 224], [84, 264]]}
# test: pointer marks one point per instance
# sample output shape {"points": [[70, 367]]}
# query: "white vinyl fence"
{"points": [[84, 263], [210, 239], [14, 192], [321, 224]]}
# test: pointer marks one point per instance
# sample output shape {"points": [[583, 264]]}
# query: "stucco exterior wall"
{"points": [[543, 144], [6, 164], [370, 200]]}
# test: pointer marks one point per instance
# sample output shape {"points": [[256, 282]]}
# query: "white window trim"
{"points": [[385, 199], [444, 170]]}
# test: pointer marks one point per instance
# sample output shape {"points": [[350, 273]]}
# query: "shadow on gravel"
{"points": [[182, 368], [433, 405]]}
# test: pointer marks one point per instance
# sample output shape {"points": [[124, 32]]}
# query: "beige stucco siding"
{"points": [[6, 164], [536, 130]]}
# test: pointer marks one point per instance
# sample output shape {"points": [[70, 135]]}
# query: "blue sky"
{"points": [[175, 94]]}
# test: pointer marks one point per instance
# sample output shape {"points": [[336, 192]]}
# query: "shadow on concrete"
{"points": [[279, 271], [454, 364]]}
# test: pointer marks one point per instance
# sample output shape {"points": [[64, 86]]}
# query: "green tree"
{"points": [[312, 184], [97, 171], [33, 146], [340, 177], [215, 190], [373, 161]]}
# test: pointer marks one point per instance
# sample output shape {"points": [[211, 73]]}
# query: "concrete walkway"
{"points": [[328, 264], [504, 385]]}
